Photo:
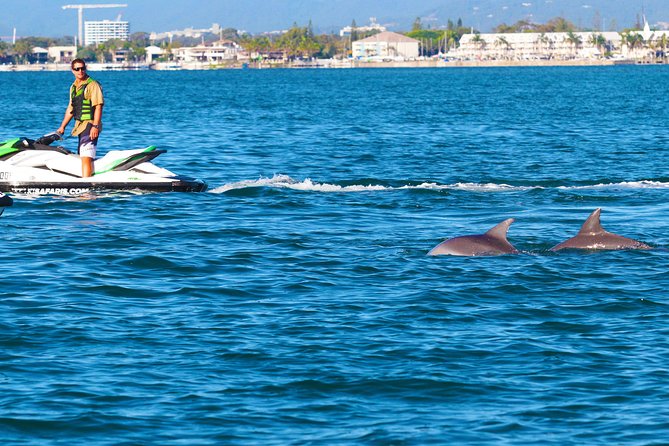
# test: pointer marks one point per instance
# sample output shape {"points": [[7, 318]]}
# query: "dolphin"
{"points": [[593, 236], [492, 243]]}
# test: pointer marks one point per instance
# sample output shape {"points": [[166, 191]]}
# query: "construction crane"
{"points": [[80, 10]]}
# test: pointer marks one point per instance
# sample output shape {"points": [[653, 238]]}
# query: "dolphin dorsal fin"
{"points": [[499, 231], [592, 225]]}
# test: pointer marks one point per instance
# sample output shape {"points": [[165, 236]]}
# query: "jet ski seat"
{"points": [[125, 159]]}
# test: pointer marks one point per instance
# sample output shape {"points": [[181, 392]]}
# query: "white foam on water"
{"points": [[644, 184], [490, 187], [286, 182], [308, 185]]}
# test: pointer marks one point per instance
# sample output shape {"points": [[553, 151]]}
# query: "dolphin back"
{"points": [[592, 236], [491, 243], [592, 224]]}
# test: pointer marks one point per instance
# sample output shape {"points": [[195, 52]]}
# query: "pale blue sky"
{"points": [[47, 18]]}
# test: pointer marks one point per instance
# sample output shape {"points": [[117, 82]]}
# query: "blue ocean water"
{"points": [[293, 303]]}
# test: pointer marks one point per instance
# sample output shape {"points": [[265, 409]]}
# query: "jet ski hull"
{"points": [[82, 187]]}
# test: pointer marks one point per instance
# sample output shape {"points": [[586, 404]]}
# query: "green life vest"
{"points": [[82, 110]]}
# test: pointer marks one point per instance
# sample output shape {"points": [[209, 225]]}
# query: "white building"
{"points": [[40, 54], [373, 26], [153, 52], [103, 30], [62, 54], [533, 46], [188, 32], [386, 45], [217, 52], [557, 46]]}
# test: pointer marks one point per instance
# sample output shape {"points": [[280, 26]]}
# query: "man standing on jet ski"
{"points": [[85, 107]]}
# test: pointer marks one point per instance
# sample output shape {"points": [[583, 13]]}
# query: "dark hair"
{"points": [[77, 61]]}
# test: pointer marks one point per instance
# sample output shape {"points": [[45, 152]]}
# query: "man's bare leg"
{"points": [[86, 166]]}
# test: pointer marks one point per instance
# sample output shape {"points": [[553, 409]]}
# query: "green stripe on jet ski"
{"points": [[115, 164], [7, 147]]}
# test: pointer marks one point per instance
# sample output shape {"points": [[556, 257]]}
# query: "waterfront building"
{"points": [[386, 45], [535, 46], [40, 55], [153, 52], [217, 52], [120, 55], [560, 46], [62, 54], [102, 30], [55, 54]]}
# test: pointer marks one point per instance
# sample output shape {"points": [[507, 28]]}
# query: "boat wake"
{"points": [[308, 185], [644, 184]]}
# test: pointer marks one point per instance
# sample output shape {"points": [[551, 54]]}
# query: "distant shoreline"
{"points": [[495, 63], [345, 64]]}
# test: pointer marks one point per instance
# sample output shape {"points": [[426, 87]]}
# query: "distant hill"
{"points": [[590, 14], [328, 15]]}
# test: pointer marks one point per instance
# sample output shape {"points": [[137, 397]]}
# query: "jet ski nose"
{"points": [[5, 201]]}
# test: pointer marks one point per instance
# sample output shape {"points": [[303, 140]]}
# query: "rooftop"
{"points": [[388, 36]]}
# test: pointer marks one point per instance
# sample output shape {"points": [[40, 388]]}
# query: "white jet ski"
{"points": [[35, 167]]}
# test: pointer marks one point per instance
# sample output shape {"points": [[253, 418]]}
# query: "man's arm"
{"points": [[97, 119], [97, 102], [66, 119]]}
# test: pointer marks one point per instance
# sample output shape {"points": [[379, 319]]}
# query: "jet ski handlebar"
{"points": [[43, 143], [49, 138]]}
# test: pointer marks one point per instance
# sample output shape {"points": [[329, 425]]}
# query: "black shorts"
{"points": [[87, 146]]}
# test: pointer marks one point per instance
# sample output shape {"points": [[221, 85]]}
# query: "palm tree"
{"points": [[479, 41], [451, 39], [249, 44], [168, 49], [264, 44], [308, 47], [652, 46], [4, 49], [101, 51], [574, 40], [598, 41], [543, 41], [23, 49], [502, 42], [138, 52], [634, 41], [255, 46]]}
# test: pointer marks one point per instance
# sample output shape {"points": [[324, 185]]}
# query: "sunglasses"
{"points": [[79, 69]]}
